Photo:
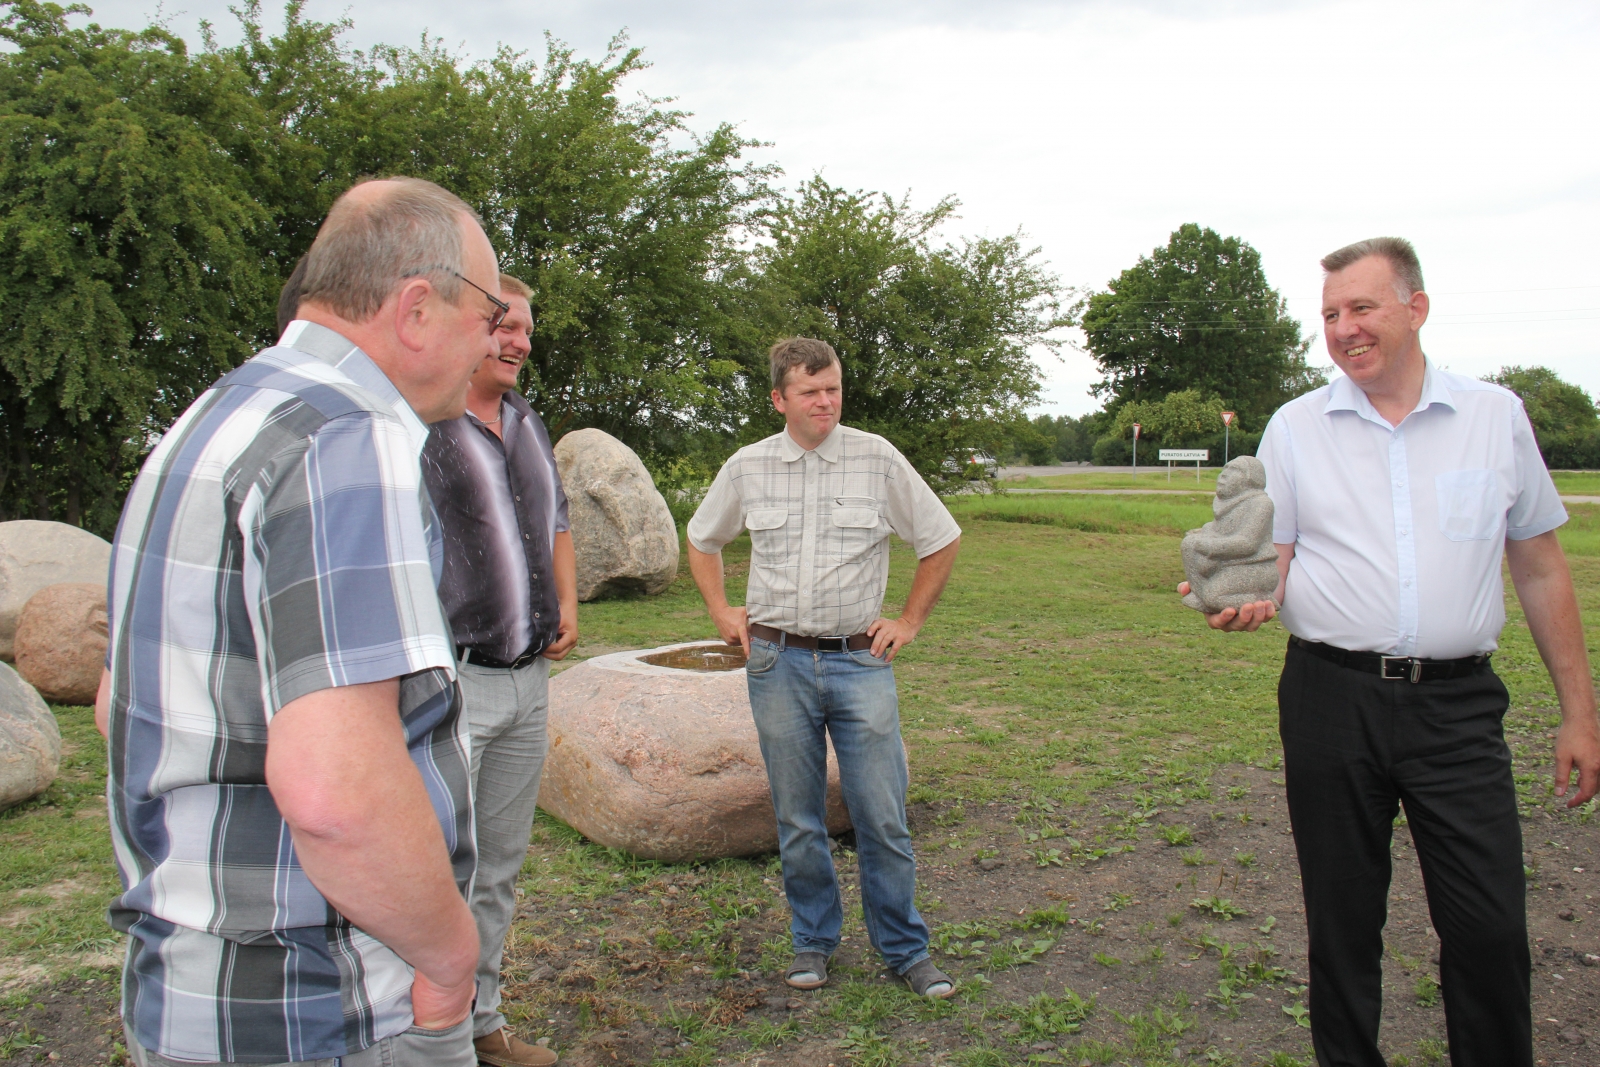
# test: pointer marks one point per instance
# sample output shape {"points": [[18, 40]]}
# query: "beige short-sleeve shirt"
{"points": [[819, 525]]}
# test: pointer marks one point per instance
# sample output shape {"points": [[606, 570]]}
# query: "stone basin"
{"points": [[653, 751]]}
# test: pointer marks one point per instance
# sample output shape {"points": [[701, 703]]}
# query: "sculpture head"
{"points": [[1240, 476]]}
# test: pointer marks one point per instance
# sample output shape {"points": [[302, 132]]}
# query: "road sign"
{"points": [[1136, 431], [1169, 455], [1227, 418], [1227, 424]]}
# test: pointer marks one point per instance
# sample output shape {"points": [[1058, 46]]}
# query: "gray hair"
{"points": [[1402, 258], [374, 239], [808, 352]]}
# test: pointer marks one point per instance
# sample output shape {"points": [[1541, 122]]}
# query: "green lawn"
{"points": [[1574, 483], [1059, 662]]}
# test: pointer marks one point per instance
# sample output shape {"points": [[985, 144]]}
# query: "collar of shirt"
{"points": [[337, 350], [829, 449], [1346, 395]]}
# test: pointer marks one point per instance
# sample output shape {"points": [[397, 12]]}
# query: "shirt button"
{"points": [[1406, 583], [524, 537], [536, 614], [518, 499]]}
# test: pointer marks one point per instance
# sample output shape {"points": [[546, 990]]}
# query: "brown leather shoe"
{"points": [[504, 1049]]}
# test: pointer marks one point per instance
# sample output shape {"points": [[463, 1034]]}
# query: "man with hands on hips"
{"points": [[820, 500], [1397, 489]]}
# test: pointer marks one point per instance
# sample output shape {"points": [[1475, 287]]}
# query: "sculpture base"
{"points": [[662, 760]]}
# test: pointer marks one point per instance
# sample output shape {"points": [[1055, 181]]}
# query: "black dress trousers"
{"points": [[1355, 747]]}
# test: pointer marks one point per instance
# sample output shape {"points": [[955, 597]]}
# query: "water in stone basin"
{"points": [[717, 657]]}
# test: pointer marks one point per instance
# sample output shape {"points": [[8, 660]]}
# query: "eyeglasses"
{"points": [[501, 308]]}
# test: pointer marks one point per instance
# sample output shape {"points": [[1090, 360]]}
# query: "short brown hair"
{"points": [[508, 284], [1398, 251], [370, 243], [807, 352]]}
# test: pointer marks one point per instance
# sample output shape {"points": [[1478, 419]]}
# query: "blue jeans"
{"points": [[800, 698]]}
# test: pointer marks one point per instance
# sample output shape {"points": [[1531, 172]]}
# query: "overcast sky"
{"points": [[1096, 128]]}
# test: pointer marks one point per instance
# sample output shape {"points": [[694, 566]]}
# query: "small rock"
{"points": [[1566, 914], [542, 973], [1570, 1037], [793, 1004], [778, 1003], [1591, 960], [990, 864], [1043, 1046]]}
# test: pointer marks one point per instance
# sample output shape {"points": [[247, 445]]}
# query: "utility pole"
{"points": [[1136, 451]]}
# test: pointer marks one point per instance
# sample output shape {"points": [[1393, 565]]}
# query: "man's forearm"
{"points": [[565, 572], [706, 568], [1543, 582], [927, 584], [364, 828]]}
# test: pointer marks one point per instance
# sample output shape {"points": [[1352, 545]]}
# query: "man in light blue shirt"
{"points": [[1397, 491]]}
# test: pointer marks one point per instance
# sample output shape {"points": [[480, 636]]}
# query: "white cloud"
{"points": [[1097, 128]]}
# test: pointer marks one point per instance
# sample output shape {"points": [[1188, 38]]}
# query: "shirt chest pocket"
{"points": [[1471, 507], [769, 532], [854, 526]]}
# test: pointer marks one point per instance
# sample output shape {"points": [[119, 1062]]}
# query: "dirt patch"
{"points": [[1188, 952], [72, 1021]]}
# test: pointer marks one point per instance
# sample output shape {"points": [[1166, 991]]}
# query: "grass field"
{"points": [[1574, 483], [1058, 670]]}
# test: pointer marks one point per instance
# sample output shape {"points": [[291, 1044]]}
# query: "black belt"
{"points": [[483, 659], [1395, 668], [853, 643]]}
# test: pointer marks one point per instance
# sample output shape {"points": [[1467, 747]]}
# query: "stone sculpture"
{"points": [[36, 554], [1230, 561], [30, 741], [622, 531], [663, 761], [60, 644]]}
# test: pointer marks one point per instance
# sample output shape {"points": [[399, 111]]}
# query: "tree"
{"points": [[934, 338], [1197, 314], [1564, 419], [128, 278]]}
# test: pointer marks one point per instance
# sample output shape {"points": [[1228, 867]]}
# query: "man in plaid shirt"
{"points": [[289, 776], [820, 500]]}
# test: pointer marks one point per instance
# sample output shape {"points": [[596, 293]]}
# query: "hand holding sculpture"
{"points": [[1230, 561]]}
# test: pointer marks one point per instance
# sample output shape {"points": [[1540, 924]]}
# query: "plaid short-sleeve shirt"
{"points": [[819, 525], [279, 541]]}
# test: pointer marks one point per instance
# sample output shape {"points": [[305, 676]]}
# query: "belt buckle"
{"points": [[830, 644], [1413, 675]]}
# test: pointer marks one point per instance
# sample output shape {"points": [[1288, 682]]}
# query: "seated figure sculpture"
{"points": [[1230, 561]]}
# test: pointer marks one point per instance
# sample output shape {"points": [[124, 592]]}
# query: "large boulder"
{"points": [[36, 554], [30, 741], [60, 645], [662, 761], [622, 531]]}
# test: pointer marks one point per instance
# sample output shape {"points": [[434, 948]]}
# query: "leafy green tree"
{"points": [[1177, 420], [128, 277], [935, 338], [628, 228], [1564, 418], [1197, 314]]}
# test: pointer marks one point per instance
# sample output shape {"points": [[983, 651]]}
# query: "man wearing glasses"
{"points": [[289, 769], [511, 593]]}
